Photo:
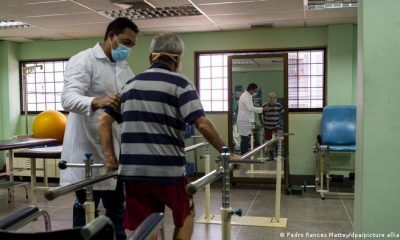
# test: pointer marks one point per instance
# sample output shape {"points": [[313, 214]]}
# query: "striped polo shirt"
{"points": [[155, 105], [271, 115]]}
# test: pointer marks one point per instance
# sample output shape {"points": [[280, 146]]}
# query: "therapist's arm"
{"points": [[106, 138], [250, 106]]}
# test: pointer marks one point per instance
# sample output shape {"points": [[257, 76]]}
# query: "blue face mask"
{"points": [[120, 53]]}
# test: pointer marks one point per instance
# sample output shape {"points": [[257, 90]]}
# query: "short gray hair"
{"points": [[167, 43]]}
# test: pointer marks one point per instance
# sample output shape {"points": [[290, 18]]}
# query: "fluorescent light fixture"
{"points": [[329, 4], [154, 13], [8, 23]]}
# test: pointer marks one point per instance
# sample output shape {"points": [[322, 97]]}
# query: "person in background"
{"points": [[245, 118], [271, 116], [155, 105], [235, 133], [93, 80]]}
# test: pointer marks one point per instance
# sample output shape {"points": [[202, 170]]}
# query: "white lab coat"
{"points": [[245, 118], [89, 74]]}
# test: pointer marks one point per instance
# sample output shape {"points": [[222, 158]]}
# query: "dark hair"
{"points": [[252, 86], [118, 26]]}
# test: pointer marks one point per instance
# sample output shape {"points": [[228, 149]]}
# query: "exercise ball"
{"points": [[49, 124]]}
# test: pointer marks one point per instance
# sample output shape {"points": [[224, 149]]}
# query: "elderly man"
{"points": [[155, 105], [271, 118]]}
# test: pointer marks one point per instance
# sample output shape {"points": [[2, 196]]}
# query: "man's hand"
{"points": [[232, 164], [111, 165], [112, 101]]}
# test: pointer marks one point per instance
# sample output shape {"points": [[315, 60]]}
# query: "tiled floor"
{"points": [[307, 214]]}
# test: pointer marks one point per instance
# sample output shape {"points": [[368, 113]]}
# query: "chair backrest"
{"points": [[338, 125]]}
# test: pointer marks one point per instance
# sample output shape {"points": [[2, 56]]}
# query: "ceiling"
{"points": [[74, 19]]}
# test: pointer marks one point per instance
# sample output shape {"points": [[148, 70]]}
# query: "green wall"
{"points": [[377, 195], [305, 126]]}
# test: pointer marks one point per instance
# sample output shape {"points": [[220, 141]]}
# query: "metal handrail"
{"points": [[200, 183], [53, 193], [258, 149], [195, 146]]}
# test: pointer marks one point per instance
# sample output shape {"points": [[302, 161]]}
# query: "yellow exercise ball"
{"points": [[49, 124]]}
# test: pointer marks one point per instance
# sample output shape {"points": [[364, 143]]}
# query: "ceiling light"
{"points": [[329, 4], [8, 23]]}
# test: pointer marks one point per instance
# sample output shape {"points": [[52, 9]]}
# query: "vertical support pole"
{"points": [[207, 188], [33, 179], [278, 180], [226, 210], [89, 203], [46, 179], [11, 169], [251, 148]]}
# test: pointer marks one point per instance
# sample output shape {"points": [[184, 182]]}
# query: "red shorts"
{"points": [[268, 133], [145, 198]]}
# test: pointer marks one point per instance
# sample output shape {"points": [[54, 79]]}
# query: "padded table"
{"points": [[39, 152], [15, 143]]}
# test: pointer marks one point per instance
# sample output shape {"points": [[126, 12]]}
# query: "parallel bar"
{"points": [[82, 165], [53, 193], [258, 149], [195, 146], [200, 183]]}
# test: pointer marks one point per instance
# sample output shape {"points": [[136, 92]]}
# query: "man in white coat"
{"points": [[245, 118], [93, 80]]}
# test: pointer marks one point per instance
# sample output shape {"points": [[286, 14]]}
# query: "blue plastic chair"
{"points": [[338, 135]]}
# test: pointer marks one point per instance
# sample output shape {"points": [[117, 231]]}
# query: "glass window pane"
{"points": [[218, 106], [225, 95], [31, 88], [41, 107], [217, 83], [58, 97], [317, 81], [292, 56], [39, 77], [225, 79], [292, 82], [317, 69], [59, 86], [40, 88], [304, 69], [304, 104], [316, 103], [217, 59], [205, 83], [217, 95], [292, 70], [49, 67], [304, 93], [317, 56], [205, 72], [40, 67], [304, 81], [30, 78], [50, 106], [40, 98], [59, 77], [31, 107], [225, 60], [58, 66], [293, 93], [59, 107], [50, 87], [217, 72], [316, 93], [206, 105], [204, 61], [50, 97], [225, 71], [304, 57], [49, 77], [293, 104], [205, 95], [225, 106], [31, 98]]}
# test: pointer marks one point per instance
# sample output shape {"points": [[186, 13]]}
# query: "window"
{"points": [[42, 83], [306, 73]]}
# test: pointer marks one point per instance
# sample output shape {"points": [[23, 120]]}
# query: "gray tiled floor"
{"points": [[307, 214]]}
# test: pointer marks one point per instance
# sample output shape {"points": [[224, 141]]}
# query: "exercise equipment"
{"points": [[338, 136], [49, 124]]}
